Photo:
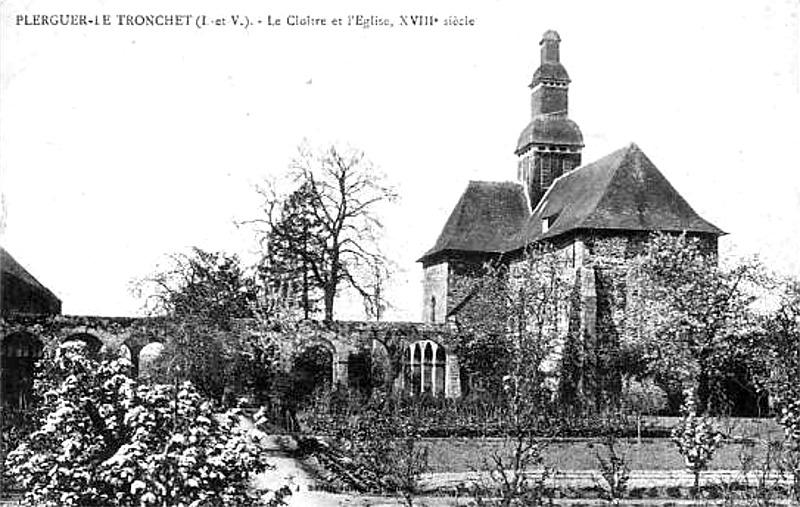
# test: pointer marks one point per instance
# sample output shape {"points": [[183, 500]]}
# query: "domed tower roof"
{"points": [[551, 130], [551, 35]]}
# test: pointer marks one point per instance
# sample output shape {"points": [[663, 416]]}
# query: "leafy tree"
{"points": [[203, 295], [290, 247], [780, 353], [104, 439], [778, 350], [520, 309], [211, 286], [534, 293], [329, 225], [691, 316], [484, 359]]}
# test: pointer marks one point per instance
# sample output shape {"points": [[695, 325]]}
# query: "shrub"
{"points": [[103, 439], [375, 443], [614, 470], [697, 439]]}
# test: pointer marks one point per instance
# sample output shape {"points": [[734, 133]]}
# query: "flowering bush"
{"points": [[789, 418], [697, 438], [103, 439]]}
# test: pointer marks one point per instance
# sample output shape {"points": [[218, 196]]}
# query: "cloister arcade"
{"points": [[421, 350]]}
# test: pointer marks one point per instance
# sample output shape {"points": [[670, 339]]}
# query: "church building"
{"points": [[597, 214]]}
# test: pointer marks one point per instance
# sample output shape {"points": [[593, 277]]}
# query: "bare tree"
{"points": [[331, 232]]}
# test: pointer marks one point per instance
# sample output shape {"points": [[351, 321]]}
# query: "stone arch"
{"points": [[18, 354], [135, 343], [312, 367], [93, 343], [125, 352], [146, 358]]}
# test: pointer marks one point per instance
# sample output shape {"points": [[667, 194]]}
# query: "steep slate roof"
{"points": [[12, 272], [487, 218], [622, 191]]}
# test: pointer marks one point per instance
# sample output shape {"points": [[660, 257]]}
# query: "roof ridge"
{"points": [[494, 182]]}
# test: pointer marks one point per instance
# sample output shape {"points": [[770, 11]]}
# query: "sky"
{"points": [[122, 144]]}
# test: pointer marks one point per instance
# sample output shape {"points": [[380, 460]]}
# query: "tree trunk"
{"points": [[330, 296]]}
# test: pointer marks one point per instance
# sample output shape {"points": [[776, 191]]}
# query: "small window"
{"points": [[544, 175], [548, 222], [433, 308]]}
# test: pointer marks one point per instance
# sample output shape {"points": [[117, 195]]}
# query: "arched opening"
{"points": [[416, 369], [18, 354], [312, 370], [407, 357], [148, 359], [90, 341], [360, 371], [439, 371], [382, 372], [427, 369], [125, 353]]}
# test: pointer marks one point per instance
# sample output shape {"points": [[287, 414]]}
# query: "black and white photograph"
{"points": [[478, 253]]}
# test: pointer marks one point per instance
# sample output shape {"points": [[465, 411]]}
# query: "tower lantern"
{"points": [[551, 144], [549, 44]]}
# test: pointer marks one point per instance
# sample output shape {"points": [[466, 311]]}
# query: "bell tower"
{"points": [[551, 144]]}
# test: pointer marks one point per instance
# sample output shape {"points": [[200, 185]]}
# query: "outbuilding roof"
{"points": [[16, 282]]}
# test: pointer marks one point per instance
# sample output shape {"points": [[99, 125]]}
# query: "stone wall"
{"points": [[608, 256], [463, 276], [434, 292]]}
